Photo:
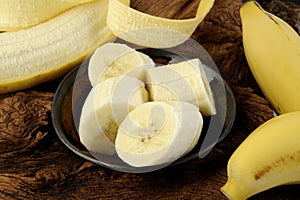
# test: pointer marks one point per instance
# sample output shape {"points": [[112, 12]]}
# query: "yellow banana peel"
{"points": [[151, 31]]}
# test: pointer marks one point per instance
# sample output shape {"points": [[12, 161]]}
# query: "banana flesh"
{"points": [[115, 59], [269, 157], [272, 49], [156, 133], [20, 14], [184, 81], [49, 50], [142, 133], [105, 108]]}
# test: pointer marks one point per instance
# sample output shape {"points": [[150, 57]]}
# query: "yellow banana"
{"points": [[47, 51], [272, 49], [269, 157], [20, 14]]}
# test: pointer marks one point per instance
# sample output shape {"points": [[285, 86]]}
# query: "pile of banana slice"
{"points": [[146, 115]]}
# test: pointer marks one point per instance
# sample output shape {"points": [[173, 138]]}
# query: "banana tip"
{"points": [[225, 193]]}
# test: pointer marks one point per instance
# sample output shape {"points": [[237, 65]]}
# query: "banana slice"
{"points": [[105, 108], [184, 81], [20, 14], [114, 59], [49, 50], [155, 133]]}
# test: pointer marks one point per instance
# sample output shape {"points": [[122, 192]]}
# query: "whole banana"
{"points": [[49, 50], [272, 49], [269, 157]]}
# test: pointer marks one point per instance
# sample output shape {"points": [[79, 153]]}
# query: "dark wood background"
{"points": [[36, 165]]}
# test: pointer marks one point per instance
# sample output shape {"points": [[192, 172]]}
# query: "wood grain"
{"points": [[36, 165]]}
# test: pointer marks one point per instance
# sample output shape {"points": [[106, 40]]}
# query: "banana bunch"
{"points": [[272, 49], [117, 117], [50, 49], [269, 157]]}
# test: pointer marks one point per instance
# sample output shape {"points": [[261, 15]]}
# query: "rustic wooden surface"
{"points": [[36, 165]]}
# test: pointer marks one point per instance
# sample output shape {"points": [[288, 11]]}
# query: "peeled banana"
{"points": [[156, 133], [20, 14], [105, 108], [115, 59], [269, 157], [47, 51], [184, 81], [272, 49]]}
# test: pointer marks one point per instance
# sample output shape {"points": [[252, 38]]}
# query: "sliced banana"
{"points": [[115, 59], [155, 133], [184, 81], [105, 108]]}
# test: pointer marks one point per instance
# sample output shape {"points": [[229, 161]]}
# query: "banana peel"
{"points": [[152, 31]]}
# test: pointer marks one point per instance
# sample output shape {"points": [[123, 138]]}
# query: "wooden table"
{"points": [[36, 165]]}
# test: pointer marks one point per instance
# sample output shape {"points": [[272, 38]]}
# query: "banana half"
{"points": [[105, 108], [157, 133]]}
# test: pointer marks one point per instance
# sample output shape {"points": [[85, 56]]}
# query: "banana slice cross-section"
{"points": [[184, 81], [115, 59], [157, 133], [105, 108]]}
